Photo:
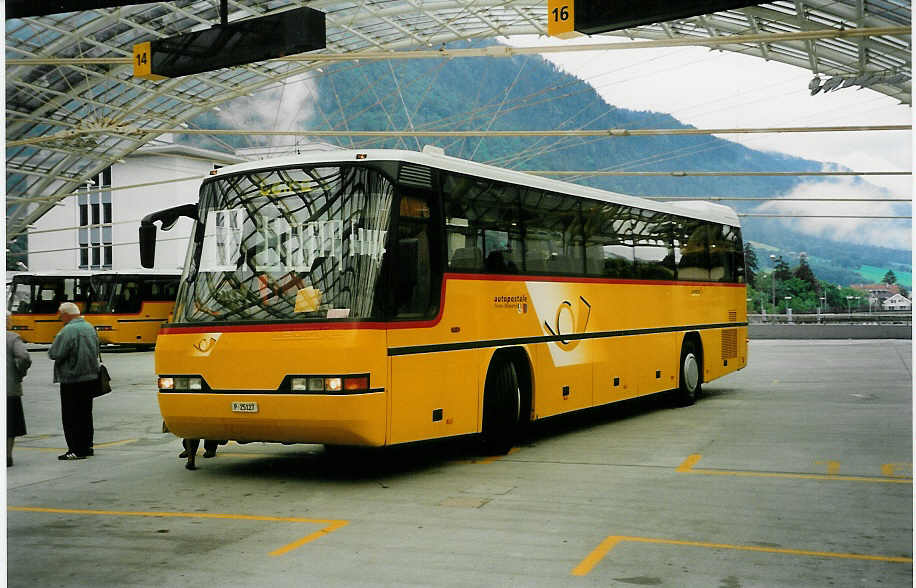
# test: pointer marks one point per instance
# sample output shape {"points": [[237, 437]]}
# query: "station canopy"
{"points": [[73, 106]]}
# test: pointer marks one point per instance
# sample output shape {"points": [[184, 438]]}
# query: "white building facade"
{"points": [[897, 302], [97, 227]]}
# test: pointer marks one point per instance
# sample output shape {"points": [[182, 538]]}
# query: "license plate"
{"points": [[244, 407]]}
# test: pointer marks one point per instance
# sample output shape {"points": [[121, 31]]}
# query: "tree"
{"points": [[889, 278], [750, 264], [804, 272], [781, 269]]}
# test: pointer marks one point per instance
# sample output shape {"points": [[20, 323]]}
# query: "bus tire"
{"points": [[501, 408], [690, 380]]}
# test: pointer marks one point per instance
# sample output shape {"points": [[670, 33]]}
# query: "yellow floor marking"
{"points": [[897, 469], [687, 468], [489, 459], [331, 525], [95, 446], [592, 559], [833, 467], [115, 443]]}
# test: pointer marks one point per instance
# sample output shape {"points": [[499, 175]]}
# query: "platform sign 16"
{"points": [[561, 18]]}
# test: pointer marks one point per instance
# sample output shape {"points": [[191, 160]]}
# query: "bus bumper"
{"points": [[346, 419]]}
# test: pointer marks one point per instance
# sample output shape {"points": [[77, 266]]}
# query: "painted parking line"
{"points": [[94, 446], [592, 559], [487, 459], [330, 525], [687, 468]]}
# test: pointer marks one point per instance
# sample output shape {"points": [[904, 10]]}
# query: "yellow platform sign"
{"points": [[561, 19], [143, 62]]}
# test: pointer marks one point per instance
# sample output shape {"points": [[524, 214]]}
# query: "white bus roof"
{"points": [[708, 211], [61, 273], [138, 272], [84, 273]]}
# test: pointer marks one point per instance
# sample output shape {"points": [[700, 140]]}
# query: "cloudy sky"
{"points": [[719, 89]]}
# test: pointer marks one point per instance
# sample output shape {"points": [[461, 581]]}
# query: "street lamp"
{"points": [[773, 281], [849, 300]]}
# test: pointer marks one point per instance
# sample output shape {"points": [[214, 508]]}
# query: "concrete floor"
{"points": [[796, 471]]}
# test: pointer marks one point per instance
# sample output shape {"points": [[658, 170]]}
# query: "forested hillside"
{"points": [[529, 93]]}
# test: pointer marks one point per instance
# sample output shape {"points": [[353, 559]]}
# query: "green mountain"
{"points": [[529, 93]]}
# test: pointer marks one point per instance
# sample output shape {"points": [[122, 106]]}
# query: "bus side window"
{"points": [[730, 250], [609, 241], [553, 234], [719, 253], [482, 225], [129, 298], [414, 276], [655, 255], [691, 241], [49, 298]]}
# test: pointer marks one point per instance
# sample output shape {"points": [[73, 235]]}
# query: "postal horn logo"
{"points": [[205, 344], [570, 320]]}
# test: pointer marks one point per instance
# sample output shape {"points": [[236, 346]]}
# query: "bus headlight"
{"points": [[181, 383], [337, 384]]}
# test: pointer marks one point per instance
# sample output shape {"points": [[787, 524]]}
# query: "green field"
{"points": [[874, 275]]}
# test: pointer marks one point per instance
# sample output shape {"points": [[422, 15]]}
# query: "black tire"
{"points": [[690, 380], [501, 408]]}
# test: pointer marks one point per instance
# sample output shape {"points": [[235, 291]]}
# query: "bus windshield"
{"points": [[291, 244], [43, 294], [102, 285]]}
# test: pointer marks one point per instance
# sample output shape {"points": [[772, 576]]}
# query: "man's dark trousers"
{"points": [[76, 414]]}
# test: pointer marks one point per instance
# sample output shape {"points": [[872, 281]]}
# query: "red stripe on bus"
{"points": [[586, 280]]}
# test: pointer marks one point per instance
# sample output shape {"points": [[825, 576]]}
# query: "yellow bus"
{"points": [[128, 307], [34, 298], [383, 297]]}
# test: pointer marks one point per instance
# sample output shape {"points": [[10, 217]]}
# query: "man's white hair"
{"points": [[69, 308]]}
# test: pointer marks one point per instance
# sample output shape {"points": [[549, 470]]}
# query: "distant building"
{"points": [[97, 227], [897, 302], [878, 292]]}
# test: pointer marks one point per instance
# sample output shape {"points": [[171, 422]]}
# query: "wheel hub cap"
{"points": [[691, 372]]}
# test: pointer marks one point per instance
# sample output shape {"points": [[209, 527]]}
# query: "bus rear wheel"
{"points": [[691, 368], [502, 403]]}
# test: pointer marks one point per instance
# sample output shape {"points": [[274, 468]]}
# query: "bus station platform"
{"points": [[796, 471]]}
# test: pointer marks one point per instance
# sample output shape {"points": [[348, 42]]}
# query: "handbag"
{"points": [[104, 386]]}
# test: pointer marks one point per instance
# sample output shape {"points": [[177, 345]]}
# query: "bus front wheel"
{"points": [[501, 408], [691, 368]]}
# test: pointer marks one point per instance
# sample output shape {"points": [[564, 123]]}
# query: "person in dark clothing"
{"points": [[190, 450], [75, 352], [17, 364]]}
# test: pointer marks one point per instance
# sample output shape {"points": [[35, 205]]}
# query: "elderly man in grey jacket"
{"points": [[75, 352]]}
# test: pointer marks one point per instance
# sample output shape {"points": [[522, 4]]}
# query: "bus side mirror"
{"points": [[168, 218], [147, 244]]}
